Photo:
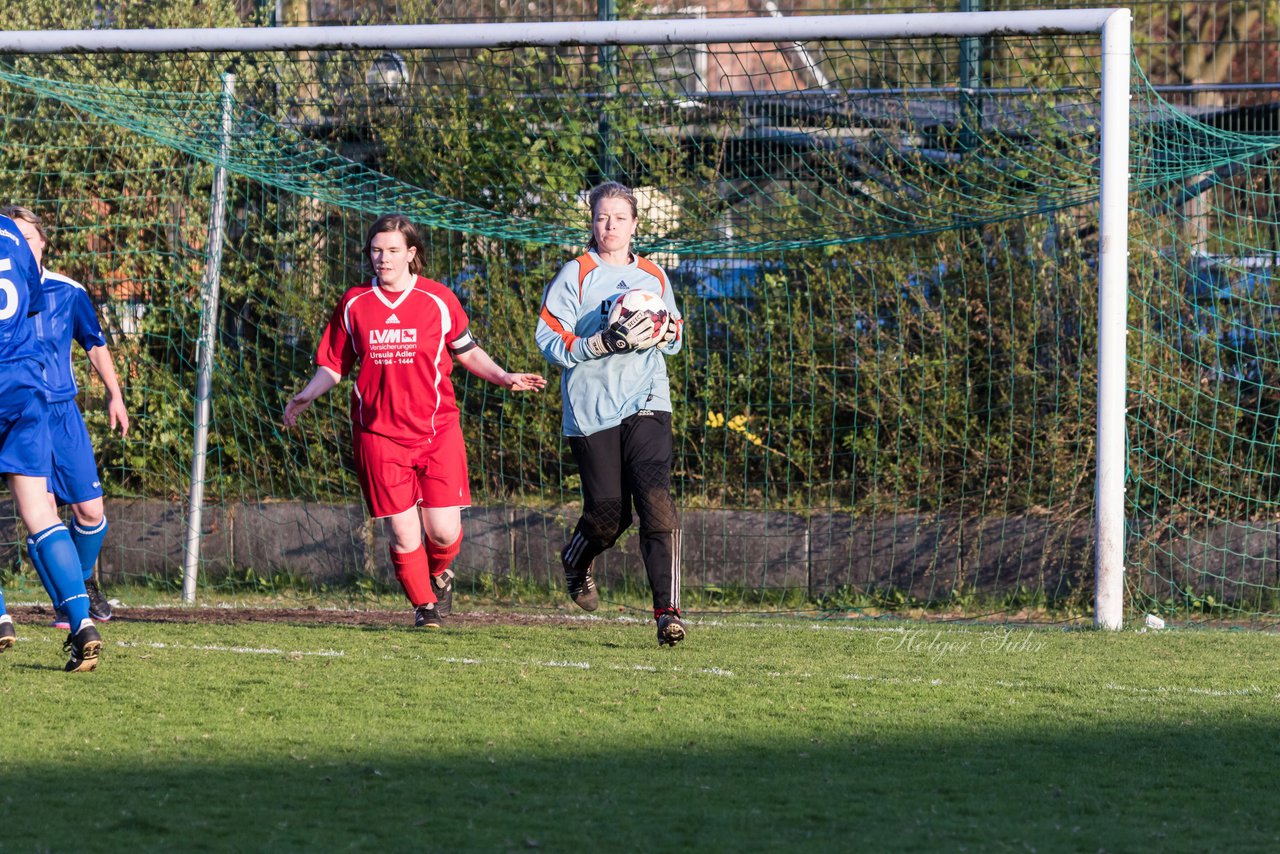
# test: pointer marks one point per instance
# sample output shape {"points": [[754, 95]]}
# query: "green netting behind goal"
{"points": [[888, 397]]}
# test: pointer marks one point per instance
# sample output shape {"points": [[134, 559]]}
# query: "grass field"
{"points": [[581, 734]]}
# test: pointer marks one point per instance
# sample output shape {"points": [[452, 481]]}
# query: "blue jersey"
{"points": [[68, 316], [24, 427], [21, 295], [599, 392]]}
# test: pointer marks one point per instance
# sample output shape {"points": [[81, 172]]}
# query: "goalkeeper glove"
{"points": [[670, 333], [622, 336]]}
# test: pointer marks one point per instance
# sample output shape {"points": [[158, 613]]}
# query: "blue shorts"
{"points": [[24, 424], [75, 471]]}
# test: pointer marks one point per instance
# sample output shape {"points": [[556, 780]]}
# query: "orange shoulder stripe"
{"points": [[585, 265], [653, 270]]}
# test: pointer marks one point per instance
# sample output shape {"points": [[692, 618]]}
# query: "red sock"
{"points": [[441, 556], [412, 573]]}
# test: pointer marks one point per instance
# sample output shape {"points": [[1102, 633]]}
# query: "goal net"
{"points": [[885, 246]]}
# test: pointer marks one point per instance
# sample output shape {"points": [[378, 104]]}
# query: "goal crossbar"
{"points": [[565, 33]]}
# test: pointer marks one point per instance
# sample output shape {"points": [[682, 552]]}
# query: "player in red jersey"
{"points": [[403, 332]]}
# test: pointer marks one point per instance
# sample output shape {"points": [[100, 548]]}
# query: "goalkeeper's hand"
{"points": [[621, 337]]}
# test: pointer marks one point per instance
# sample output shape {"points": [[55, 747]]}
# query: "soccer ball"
{"points": [[648, 302]]}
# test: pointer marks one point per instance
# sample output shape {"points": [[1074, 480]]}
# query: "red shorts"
{"points": [[396, 477]]}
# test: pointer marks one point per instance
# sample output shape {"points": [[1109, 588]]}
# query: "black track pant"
{"points": [[620, 467]]}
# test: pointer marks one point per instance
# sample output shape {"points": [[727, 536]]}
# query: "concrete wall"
{"points": [[926, 556]]}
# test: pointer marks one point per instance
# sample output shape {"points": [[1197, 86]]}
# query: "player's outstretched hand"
{"points": [[324, 380], [526, 382], [294, 408]]}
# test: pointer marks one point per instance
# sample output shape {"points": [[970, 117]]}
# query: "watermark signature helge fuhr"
{"points": [[938, 644]]}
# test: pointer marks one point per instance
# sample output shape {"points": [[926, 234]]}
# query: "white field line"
{"points": [[580, 665], [208, 648], [1155, 691], [1158, 690], [1199, 692], [235, 650]]}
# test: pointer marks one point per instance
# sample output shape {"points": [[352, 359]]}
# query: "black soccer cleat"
{"points": [[99, 607], [84, 647], [8, 635], [427, 617], [444, 592], [671, 628], [582, 587]]}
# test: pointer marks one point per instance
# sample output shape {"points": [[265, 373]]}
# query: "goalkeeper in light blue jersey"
{"points": [[69, 317], [617, 405], [26, 453]]}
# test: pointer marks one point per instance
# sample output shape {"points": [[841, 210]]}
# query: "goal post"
{"points": [[1113, 310], [821, 147]]}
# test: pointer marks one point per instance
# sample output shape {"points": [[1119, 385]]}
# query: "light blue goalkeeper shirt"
{"points": [[600, 391]]}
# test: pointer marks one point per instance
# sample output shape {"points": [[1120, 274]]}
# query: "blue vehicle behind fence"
{"points": [[1235, 328]]}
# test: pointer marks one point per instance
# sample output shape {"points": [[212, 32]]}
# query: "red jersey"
{"points": [[403, 343]]}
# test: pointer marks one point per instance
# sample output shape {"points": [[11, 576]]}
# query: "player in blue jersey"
{"points": [[69, 316], [26, 453], [617, 406]]}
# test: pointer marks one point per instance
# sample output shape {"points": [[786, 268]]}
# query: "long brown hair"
{"points": [[404, 225], [609, 190]]}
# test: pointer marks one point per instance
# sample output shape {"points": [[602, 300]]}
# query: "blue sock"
{"points": [[58, 555], [88, 545], [2, 610], [34, 554]]}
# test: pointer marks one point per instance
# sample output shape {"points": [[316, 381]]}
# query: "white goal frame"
{"points": [[1112, 25]]}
